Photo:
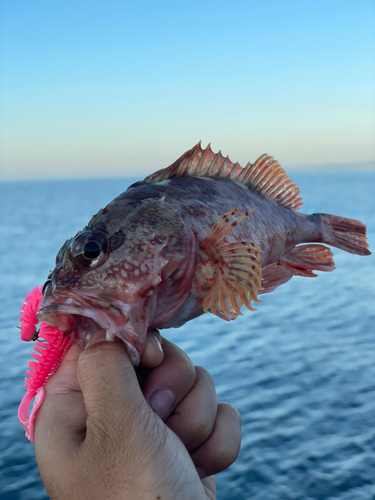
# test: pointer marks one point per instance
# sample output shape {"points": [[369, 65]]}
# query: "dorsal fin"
{"points": [[265, 175]]}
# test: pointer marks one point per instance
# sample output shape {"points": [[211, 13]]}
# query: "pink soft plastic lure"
{"points": [[47, 355]]}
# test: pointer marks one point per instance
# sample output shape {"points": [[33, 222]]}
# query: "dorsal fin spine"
{"points": [[272, 183], [221, 171], [271, 178], [268, 177], [289, 189], [286, 195], [275, 170], [247, 175], [278, 176], [232, 171], [245, 172], [201, 162], [265, 175], [237, 169], [269, 186], [260, 159], [255, 177], [258, 163], [211, 170], [259, 173]]}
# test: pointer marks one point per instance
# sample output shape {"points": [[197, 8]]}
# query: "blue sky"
{"points": [[92, 88]]}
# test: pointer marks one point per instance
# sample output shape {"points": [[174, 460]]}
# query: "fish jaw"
{"points": [[82, 315]]}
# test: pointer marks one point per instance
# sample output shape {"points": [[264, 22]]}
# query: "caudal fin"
{"points": [[347, 234]]}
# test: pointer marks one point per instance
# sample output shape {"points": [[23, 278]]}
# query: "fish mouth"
{"points": [[80, 317]]}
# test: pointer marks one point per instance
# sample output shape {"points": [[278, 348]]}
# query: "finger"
{"points": [[110, 388], [64, 406], [62, 417], [153, 354], [222, 447], [194, 418], [209, 485], [169, 383], [65, 378]]}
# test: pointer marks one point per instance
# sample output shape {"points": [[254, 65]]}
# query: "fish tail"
{"points": [[347, 234]]}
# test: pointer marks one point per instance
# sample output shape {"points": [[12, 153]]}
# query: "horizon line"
{"points": [[337, 167]]}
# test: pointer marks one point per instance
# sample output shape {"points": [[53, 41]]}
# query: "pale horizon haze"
{"points": [[109, 89]]}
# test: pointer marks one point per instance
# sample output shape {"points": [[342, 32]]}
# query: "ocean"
{"points": [[300, 370]]}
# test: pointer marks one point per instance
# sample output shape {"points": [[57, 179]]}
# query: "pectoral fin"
{"points": [[232, 269]]}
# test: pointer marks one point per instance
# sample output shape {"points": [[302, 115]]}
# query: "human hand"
{"points": [[97, 437]]}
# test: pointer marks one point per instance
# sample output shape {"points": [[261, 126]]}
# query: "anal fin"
{"points": [[233, 269], [302, 260]]}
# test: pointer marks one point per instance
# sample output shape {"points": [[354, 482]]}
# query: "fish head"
{"points": [[121, 273]]}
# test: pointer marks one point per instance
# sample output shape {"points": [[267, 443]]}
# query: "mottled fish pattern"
{"points": [[203, 235]]}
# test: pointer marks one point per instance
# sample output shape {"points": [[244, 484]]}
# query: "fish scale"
{"points": [[202, 235], [211, 197]]}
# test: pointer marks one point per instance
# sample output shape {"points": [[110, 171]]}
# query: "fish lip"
{"points": [[89, 320], [67, 302], [60, 308], [76, 310], [90, 314]]}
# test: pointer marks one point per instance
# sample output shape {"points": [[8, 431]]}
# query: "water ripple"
{"points": [[300, 370]]}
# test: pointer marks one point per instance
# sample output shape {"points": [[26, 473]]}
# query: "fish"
{"points": [[202, 235]]}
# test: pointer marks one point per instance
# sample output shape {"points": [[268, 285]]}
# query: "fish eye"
{"points": [[89, 249]]}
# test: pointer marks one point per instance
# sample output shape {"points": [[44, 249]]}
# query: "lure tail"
{"points": [[47, 358]]}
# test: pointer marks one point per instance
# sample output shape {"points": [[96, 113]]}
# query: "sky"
{"points": [[122, 88]]}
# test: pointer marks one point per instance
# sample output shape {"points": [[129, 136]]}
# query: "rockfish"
{"points": [[203, 235]]}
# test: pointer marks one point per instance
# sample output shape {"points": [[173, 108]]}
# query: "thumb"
{"points": [[110, 388]]}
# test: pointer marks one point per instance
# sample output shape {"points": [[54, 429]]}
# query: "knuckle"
{"points": [[201, 429], [102, 350], [231, 413], [205, 379], [228, 447], [185, 362], [93, 363], [186, 371], [225, 456], [203, 373], [177, 354]]}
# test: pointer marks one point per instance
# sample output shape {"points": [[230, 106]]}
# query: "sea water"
{"points": [[300, 370]]}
